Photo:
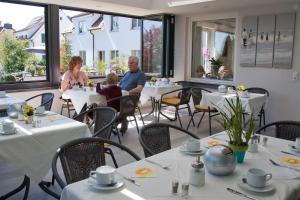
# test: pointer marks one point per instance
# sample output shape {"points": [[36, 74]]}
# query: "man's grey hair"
{"points": [[134, 58]]}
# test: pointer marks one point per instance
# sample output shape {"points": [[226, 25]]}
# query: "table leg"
{"points": [[25, 184], [153, 107]]}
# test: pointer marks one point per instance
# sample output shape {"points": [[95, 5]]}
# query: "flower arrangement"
{"points": [[28, 111], [241, 87], [153, 79], [90, 83]]}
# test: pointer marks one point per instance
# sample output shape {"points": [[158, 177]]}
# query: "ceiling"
{"points": [[147, 7]]}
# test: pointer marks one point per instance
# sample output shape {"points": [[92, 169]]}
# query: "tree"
{"points": [[65, 53], [13, 56]]}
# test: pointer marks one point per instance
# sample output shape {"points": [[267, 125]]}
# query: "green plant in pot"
{"points": [[238, 133], [215, 65]]}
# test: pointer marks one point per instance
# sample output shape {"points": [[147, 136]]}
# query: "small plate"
{"points": [[268, 188], [5, 133], [293, 148], [92, 183], [183, 149], [41, 114]]}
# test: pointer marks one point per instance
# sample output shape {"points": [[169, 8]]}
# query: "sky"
{"points": [[20, 15]]}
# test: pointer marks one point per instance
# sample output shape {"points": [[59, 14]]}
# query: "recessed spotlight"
{"points": [[186, 2]]}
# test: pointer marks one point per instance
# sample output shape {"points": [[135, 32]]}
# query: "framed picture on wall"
{"points": [[284, 41], [265, 41], [248, 41]]}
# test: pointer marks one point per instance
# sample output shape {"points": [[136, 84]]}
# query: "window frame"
{"points": [[138, 23], [114, 26], [189, 49], [101, 56], [80, 31], [115, 53], [82, 54]]}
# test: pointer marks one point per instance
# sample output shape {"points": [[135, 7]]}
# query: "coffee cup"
{"points": [[8, 126], [2, 94], [258, 178], [297, 143], [192, 144], [40, 110], [104, 175]]}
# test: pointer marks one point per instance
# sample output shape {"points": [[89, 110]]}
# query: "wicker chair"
{"points": [[262, 114], [197, 96], [79, 157], [128, 105], [155, 138], [46, 100], [183, 98], [288, 130]]}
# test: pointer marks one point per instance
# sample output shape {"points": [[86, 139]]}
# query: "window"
{"points": [[213, 49], [43, 38], [102, 56], [81, 27], [114, 54], [136, 23], [136, 53], [114, 23], [22, 57], [82, 54], [152, 47]]}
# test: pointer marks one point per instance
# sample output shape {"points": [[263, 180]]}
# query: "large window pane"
{"points": [[152, 47], [22, 43], [213, 49], [107, 42]]}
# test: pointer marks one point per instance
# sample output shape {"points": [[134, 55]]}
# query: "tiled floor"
{"points": [[9, 178]]}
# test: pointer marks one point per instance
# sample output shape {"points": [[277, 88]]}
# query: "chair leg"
{"points": [[141, 115], [61, 110], [53, 180], [200, 120], [190, 113], [69, 114], [177, 114], [187, 128], [25, 184], [209, 123], [159, 109], [44, 187], [110, 152], [118, 134], [137, 127]]}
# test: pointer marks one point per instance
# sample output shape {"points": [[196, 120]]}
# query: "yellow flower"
{"points": [[90, 83], [153, 79], [241, 87], [28, 110]]}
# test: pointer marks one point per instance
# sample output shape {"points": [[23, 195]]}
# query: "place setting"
{"points": [[40, 111], [7, 127], [192, 147]]}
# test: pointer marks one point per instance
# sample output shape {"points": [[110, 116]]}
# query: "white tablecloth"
{"points": [[252, 104], [81, 96], [156, 91], [31, 150], [6, 101], [159, 187]]}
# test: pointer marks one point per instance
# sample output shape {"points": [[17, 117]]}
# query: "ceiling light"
{"points": [[186, 2]]}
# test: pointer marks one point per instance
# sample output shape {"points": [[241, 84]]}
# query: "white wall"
{"points": [[284, 102]]}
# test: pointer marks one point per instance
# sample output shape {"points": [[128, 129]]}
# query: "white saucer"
{"points": [[293, 148], [41, 114], [183, 149], [10, 133], [268, 188], [92, 183]]}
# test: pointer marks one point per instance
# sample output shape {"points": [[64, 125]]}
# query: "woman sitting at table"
{"points": [[73, 76], [111, 91]]}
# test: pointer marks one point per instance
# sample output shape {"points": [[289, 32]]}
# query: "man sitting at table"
{"points": [[111, 91], [133, 81]]}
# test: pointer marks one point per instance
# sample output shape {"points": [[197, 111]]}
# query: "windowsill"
{"points": [[114, 30], [135, 28], [212, 81]]}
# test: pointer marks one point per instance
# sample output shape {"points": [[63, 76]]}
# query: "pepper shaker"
{"points": [[197, 173], [185, 190], [175, 185]]}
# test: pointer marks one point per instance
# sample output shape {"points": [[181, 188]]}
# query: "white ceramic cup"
{"points": [[192, 144], [8, 126], [40, 110], [297, 143], [2, 94], [104, 175], [257, 177]]}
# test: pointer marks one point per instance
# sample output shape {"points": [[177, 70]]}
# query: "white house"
{"points": [[103, 37]]}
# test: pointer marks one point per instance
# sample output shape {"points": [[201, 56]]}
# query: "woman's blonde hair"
{"points": [[74, 61], [112, 78]]}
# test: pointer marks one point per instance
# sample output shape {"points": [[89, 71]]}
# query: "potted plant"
{"points": [[239, 133], [91, 84], [215, 65], [28, 114]]}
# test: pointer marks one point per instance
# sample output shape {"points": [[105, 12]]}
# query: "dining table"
{"points": [[7, 100], [252, 103], [86, 95], [285, 180]]}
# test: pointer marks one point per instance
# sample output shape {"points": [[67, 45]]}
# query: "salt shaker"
{"points": [[197, 173], [185, 190], [253, 146], [265, 140], [175, 185]]}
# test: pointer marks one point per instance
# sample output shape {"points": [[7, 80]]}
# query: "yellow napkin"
{"points": [[290, 161], [213, 142], [143, 172]]}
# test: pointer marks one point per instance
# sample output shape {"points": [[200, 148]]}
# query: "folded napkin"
{"points": [[291, 161], [214, 142]]}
